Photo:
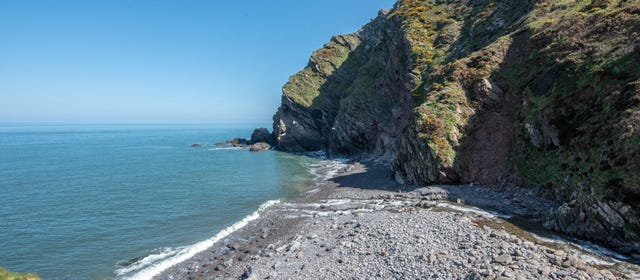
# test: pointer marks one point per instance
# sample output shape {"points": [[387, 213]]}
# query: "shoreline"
{"points": [[355, 225]]}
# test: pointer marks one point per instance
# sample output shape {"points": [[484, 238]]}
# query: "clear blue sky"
{"points": [[160, 61]]}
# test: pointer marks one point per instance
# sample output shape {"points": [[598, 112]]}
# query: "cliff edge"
{"points": [[543, 94]]}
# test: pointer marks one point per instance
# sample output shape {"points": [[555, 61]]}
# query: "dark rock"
{"points": [[487, 92], [196, 145], [262, 135], [473, 275], [603, 221], [261, 146], [238, 142], [234, 246]]}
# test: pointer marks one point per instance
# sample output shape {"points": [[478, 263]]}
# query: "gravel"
{"points": [[350, 233]]}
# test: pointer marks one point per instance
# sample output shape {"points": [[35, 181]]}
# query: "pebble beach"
{"points": [[342, 230]]}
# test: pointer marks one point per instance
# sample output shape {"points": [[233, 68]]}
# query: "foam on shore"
{"points": [[154, 264]]}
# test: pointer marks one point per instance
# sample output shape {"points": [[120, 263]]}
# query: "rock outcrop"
{"points": [[535, 93], [354, 96], [260, 146], [262, 135]]}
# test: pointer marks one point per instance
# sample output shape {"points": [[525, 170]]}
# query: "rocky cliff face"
{"points": [[538, 93], [354, 96]]}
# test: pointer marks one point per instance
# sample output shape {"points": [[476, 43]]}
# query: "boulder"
{"points": [[487, 92], [260, 146], [196, 145], [238, 142], [262, 135], [608, 222]]}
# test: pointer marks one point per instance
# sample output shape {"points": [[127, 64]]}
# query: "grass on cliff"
{"points": [[580, 62], [305, 86], [587, 56], [8, 275], [453, 45], [440, 120]]}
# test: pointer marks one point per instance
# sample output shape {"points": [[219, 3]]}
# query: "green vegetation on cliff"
{"points": [[535, 93], [573, 63], [585, 89], [551, 87], [305, 86], [8, 275]]}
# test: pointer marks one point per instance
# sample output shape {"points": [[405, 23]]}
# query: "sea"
{"points": [[112, 201]]}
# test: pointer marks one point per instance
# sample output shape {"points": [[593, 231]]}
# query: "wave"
{"points": [[224, 148], [328, 168], [154, 264]]}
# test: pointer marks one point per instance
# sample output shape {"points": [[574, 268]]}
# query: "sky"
{"points": [[135, 61]]}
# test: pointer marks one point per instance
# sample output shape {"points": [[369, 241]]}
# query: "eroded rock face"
{"points": [[610, 222], [447, 96], [353, 97], [296, 130]]}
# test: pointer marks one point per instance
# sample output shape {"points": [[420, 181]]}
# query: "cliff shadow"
{"points": [[488, 22], [370, 176], [363, 105], [488, 149]]}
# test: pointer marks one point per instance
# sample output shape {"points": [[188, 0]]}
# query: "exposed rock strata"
{"points": [[354, 96], [534, 93]]}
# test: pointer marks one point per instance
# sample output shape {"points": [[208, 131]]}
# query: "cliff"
{"points": [[543, 94]]}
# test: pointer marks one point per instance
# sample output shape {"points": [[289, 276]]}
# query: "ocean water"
{"points": [[124, 201]]}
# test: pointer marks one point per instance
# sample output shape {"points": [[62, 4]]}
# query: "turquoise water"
{"points": [[81, 201]]}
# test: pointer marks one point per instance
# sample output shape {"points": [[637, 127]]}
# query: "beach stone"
{"points": [[295, 246], [502, 259], [388, 244], [235, 246], [544, 271], [562, 273]]}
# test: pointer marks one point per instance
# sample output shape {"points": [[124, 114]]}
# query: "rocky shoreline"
{"points": [[362, 225]]}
